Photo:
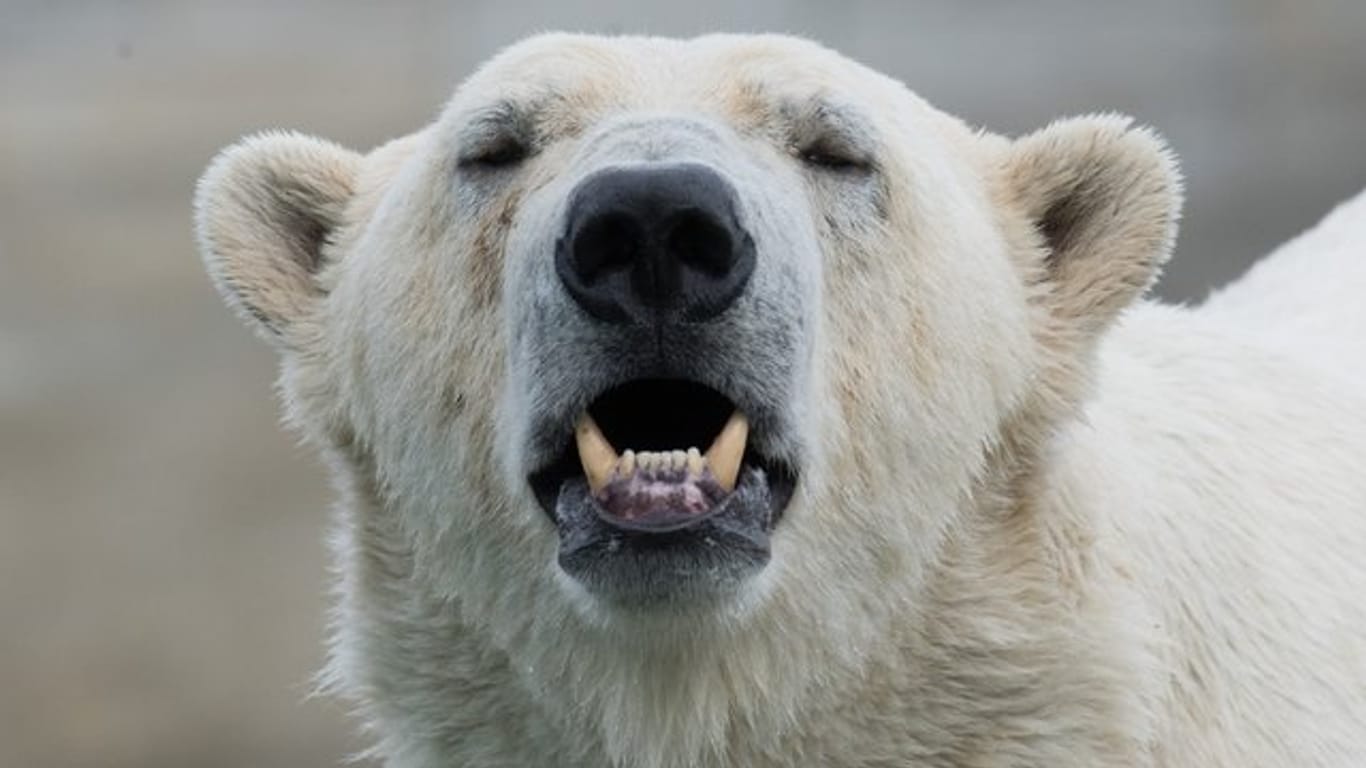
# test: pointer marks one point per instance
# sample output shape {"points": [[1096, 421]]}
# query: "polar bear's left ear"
{"points": [[1105, 198], [264, 210]]}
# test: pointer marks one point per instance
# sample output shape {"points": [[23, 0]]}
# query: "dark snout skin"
{"points": [[708, 560], [654, 244]]}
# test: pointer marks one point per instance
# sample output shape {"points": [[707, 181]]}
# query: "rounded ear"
{"points": [[1104, 199], [263, 211]]}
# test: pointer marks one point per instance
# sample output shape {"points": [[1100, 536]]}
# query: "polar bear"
{"points": [[721, 403]]}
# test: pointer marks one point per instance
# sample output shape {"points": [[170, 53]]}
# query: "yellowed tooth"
{"points": [[627, 465], [595, 453], [728, 449], [678, 458], [646, 460], [695, 462]]}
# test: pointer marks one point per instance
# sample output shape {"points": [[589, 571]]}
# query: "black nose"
{"points": [[654, 243]]}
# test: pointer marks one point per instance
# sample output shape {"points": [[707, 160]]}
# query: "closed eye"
{"points": [[496, 137], [834, 158], [830, 137], [502, 152]]}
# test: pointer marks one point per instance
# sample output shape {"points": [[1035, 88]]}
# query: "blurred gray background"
{"points": [[162, 573]]}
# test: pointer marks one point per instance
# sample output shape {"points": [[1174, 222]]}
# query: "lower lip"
{"points": [[710, 555]]}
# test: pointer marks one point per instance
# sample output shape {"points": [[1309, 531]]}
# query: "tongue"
{"points": [[660, 501]]}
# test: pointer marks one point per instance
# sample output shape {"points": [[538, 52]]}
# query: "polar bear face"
{"points": [[686, 340], [667, 279]]}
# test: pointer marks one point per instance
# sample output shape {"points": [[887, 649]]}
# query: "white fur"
{"points": [[1040, 522]]}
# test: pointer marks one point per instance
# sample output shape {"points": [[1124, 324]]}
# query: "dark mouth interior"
{"points": [[661, 415], [644, 415]]}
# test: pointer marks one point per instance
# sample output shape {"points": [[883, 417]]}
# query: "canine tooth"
{"points": [[679, 458], [695, 462], [727, 449], [627, 465], [595, 453]]}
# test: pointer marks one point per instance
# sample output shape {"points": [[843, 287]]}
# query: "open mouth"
{"points": [[661, 496], [661, 455]]}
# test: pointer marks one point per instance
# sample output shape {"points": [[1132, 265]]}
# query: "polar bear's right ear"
{"points": [[263, 211], [1104, 197]]}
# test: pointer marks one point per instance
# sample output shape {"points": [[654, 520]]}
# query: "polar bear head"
{"points": [[651, 350]]}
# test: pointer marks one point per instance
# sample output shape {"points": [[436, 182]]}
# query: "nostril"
{"points": [[699, 241], [606, 243], [652, 244]]}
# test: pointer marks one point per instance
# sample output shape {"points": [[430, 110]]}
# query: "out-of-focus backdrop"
{"points": [[162, 572]]}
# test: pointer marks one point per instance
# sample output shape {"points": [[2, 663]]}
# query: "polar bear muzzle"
{"points": [[653, 464]]}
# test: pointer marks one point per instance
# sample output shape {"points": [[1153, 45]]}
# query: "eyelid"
{"points": [[837, 146], [829, 131], [492, 133], [835, 152]]}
